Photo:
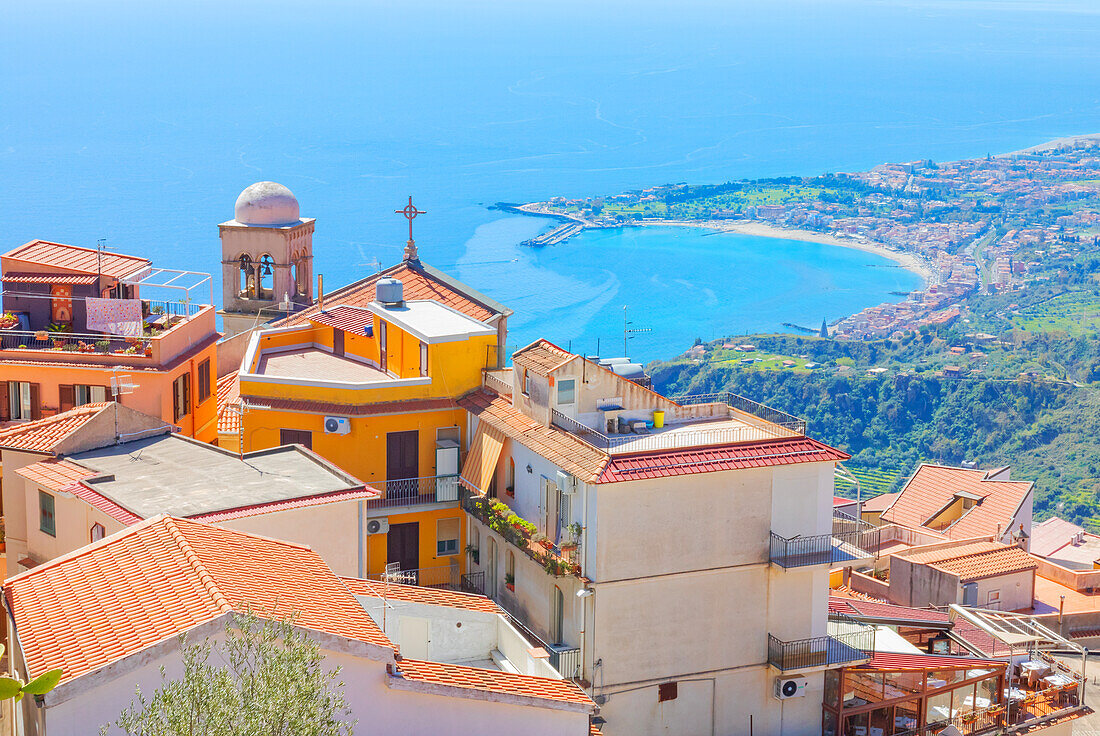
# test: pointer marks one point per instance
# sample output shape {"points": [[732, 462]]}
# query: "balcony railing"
{"points": [[851, 540], [553, 559], [474, 582], [75, 342], [416, 491], [444, 576], [495, 380], [566, 660], [821, 651]]}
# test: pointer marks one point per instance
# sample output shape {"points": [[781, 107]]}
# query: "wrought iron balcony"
{"points": [[416, 491], [822, 651]]}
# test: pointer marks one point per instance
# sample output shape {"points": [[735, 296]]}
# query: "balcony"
{"points": [[851, 541], [430, 489], [519, 533], [854, 646], [709, 419], [174, 331]]}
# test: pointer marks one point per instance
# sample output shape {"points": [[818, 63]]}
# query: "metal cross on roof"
{"points": [[410, 212]]}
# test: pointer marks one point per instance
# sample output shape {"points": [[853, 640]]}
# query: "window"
{"points": [[510, 568], [98, 532], [423, 359], [383, 359], [446, 537], [526, 382], [442, 434], [993, 599], [204, 380], [181, 396], [296, 437], [89, 395], [22, 400], [666, 691], [567, 391], [557, 616], [45, 513]]}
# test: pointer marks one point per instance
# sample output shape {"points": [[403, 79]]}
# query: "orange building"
{"points": [[81, 325]]}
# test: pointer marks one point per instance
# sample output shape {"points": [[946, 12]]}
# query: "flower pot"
{"points": [[547, 544], [510, 586]]}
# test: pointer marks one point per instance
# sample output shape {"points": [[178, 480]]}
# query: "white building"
{"points": [[110, 615], [705, 535]]}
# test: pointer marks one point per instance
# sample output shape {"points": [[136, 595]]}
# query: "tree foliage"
{"points": [[265, 679]]}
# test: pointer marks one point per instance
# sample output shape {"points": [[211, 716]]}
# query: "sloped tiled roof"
{"points": [[348, 319], [417, 594], [933, 487], [352, 410], [879, 502], [118, 596], [761, 454], [75, 258], [896, 661], [975, 561], [494, 681], [229, 394], [556, 445], [1051, 535], [43, 435], [23, 277], [541, 356], [885, 611], [55, 475], [419, 281]]}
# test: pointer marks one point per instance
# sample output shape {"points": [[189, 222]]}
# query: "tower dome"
{"points": [[266, 203]]}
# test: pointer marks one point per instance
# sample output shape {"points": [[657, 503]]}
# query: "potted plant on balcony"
{"points": [[56, 330], [510, 581], [8, 320], [543, 540], [474, 554]]}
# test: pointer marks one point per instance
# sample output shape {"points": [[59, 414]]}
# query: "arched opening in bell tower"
{"points": [[247, 277]]}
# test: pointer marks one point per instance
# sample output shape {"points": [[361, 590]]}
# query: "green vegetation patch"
{"points": [[1074, 314]]}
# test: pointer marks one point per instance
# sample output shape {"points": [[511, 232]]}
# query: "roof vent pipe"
{"points": [[390, 292]]}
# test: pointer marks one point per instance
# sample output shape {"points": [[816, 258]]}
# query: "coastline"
{"points": [[907, 261]]}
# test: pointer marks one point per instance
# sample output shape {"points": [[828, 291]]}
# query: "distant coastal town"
{"points": [[977, 226]]}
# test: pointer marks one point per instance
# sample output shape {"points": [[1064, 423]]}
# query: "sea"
{"points": [[140, 123]]}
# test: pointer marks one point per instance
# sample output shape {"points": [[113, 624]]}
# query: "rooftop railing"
{"points": [[563, 658], [415, 491], [495, 380], [445, 577], [822, 651], [740, 403]]}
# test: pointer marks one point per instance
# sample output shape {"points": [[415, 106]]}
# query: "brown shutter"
{"points": [[176, 400], [66, 397], [36, 401], [5, 402], [187, 393]]}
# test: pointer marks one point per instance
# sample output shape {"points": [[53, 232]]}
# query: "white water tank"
{"points": [[390, 291]]}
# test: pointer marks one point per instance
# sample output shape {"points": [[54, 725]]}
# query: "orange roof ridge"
{"points": [[42, 435], [205, 577], [465, 677]]}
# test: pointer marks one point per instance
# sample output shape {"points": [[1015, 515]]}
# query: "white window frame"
{"points": [[19, 400], [572, 391]]}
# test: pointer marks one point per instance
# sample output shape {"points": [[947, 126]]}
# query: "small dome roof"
{"points": [[266, 203]]}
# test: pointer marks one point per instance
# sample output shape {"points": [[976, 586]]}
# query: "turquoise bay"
{"points": [[680, 283]]}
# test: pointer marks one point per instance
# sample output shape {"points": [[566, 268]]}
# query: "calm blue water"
{"points": [[142, 123]]}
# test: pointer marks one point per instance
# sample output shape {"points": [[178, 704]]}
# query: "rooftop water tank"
{"points": [[607, 362], [390, 291], [628, 370]]}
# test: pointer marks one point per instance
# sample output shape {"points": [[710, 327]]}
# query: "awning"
{"points": [[481, 462]]}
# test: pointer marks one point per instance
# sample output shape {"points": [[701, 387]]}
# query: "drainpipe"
{"points": [[361, 575]]}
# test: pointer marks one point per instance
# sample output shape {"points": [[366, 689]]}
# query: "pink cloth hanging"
{"points": [[114, 316]]}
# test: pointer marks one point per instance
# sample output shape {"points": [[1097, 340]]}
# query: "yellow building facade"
{"points": [[370, 381]]}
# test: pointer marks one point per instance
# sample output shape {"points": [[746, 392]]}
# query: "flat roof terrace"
{"points": [[315, 364]]}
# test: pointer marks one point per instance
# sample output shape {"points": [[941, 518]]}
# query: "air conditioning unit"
{"points": [[337, 425], [378, 526], [567, 483], [790, 687]]}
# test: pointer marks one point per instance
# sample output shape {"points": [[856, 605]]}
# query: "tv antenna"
{"points": [[629, 331]]}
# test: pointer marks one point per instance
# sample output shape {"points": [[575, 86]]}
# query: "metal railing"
{"points": [[741, 403], [851, 539], [415, 491], [973, 722], [443, 576], [474, 582], [566, 660], [75, 342], [821, 651]]}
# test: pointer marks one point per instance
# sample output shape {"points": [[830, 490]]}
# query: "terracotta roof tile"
{"points": [[764, 453], [419, 282], [118, 596], [505, 683], [75, 258], [1053, 534], [55, 475], [976, 561], [885, 611], [24, 277], [427, 596], [43, 435], [933, 487], [345, 318], [541, 356], [229, 394], [552, 443], [352, 410], [879, 502]]}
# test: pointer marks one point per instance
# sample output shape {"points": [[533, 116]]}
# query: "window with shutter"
{"points": [[5, 400], [204, 380], [35, 401], [66, 397]]}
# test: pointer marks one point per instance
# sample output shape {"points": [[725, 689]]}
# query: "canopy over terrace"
{"points": [[190, 283]]}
